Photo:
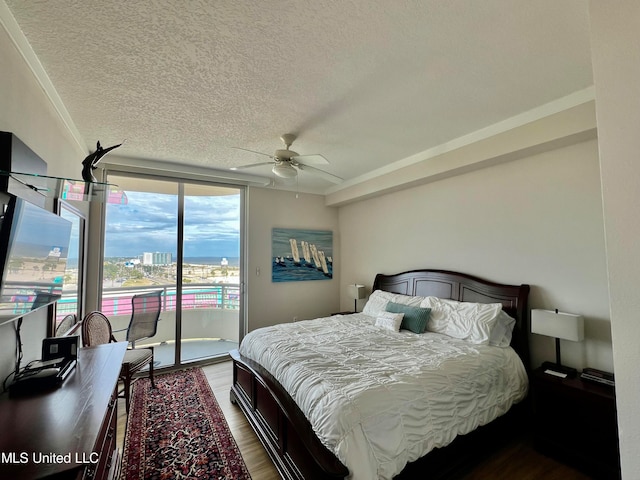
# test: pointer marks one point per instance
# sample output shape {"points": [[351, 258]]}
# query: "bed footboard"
{"points": [[297, 453], [282, 428]]}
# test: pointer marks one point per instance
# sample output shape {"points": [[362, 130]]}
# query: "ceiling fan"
{"points": [[286, 163]]}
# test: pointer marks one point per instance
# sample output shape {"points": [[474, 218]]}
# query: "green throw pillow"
{"points": [[415, 318]]}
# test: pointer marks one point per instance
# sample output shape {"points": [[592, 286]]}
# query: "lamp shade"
{"points": [[284, 170], [356, 291], [566, 326]]}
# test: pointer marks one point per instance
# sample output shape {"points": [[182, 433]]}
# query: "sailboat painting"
{"points": [[301, 255]]}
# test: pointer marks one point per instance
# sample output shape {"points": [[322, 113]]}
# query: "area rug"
{"points": [[177, 431]]}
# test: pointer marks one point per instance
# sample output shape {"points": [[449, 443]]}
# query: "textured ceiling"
{"points": [[364, 82]]}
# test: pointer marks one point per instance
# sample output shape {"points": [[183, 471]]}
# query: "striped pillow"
{"points": [[415, 318]]}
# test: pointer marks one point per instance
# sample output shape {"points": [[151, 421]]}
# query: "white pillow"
{"points": [[390, 321], [502, 331], [468, 321], [378, 300], [376, 303]]}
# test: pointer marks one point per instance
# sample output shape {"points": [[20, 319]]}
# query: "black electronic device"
{"points": [[32, 239], [56, 347], [37, 379], [32, 381], [59, 358], [561, 371], [598, 376]]}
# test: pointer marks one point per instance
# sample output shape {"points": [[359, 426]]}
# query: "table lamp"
{"points": [[357, 293], [565, 326]]}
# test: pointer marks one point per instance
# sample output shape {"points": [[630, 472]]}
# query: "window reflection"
{"points": [[69, 307]]}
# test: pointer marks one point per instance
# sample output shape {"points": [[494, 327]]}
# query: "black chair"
{"points": [[145, 313]]}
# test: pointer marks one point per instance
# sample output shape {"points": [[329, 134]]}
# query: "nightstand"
{"points": [[575, 421]]}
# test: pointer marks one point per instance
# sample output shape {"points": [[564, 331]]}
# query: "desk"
{"points": [[68, 432]]}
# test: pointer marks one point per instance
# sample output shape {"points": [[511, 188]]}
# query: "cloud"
{"points": [[149, 223]]}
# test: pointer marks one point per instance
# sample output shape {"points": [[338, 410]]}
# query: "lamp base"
{"points": [[551, 368]]}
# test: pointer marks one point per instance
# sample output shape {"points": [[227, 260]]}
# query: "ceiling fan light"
{"points": [[284, 170]]}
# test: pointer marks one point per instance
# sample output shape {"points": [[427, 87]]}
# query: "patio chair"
{"points": [[145, 313], [96, 330]]}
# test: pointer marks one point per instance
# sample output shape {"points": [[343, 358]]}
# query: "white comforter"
{"points": [[379, 399]]}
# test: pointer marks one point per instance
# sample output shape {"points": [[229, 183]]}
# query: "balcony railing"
{"points": [[210, 318], [117, 301]]}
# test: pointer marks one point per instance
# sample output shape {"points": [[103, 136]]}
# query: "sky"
{"points": [[148, 223]]}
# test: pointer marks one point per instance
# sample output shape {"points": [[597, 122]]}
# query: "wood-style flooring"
{"points": [[515, 461]]}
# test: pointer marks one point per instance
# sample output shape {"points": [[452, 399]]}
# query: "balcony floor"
{"points": [[192, 350]]}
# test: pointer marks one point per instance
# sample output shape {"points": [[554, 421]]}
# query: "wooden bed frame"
{"points": [[287, 435]]}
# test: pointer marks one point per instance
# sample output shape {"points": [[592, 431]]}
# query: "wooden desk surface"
{"points": [[54, 432]]}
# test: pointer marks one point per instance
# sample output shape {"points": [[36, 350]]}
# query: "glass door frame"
{"points": [[180, 182]]}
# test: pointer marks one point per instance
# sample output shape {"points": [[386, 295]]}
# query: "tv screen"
{"points": [[35, 246]]}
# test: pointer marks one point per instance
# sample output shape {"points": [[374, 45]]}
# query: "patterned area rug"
{"points": [[178, 431]]}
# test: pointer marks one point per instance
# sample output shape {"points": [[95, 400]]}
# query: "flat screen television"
{"points": [[34, 245]]}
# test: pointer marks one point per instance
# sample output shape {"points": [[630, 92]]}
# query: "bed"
{"points": [[289, 422]]}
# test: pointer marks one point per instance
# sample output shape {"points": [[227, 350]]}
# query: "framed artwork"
{"points": [[301, 255]]}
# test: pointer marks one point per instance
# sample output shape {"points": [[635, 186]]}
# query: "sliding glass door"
{"points": [[185, 240], [210, 272]]}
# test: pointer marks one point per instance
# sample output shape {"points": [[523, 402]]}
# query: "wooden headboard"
{"points": [[466, 288]]}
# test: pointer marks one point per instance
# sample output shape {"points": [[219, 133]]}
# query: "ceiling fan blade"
{"points": [[316, 159], [251, 165], [321, 173], [253, 151]]}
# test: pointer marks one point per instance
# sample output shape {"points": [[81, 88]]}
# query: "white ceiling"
{"points": [[366, 83]]}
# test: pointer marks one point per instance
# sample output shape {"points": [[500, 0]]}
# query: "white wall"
{"points": [[616, 65], [271, 303], [27, 112], [536, 220]]}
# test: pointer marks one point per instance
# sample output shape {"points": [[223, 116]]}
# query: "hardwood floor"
{"points": [[220, 376], [520, 461], [517, 460]]}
